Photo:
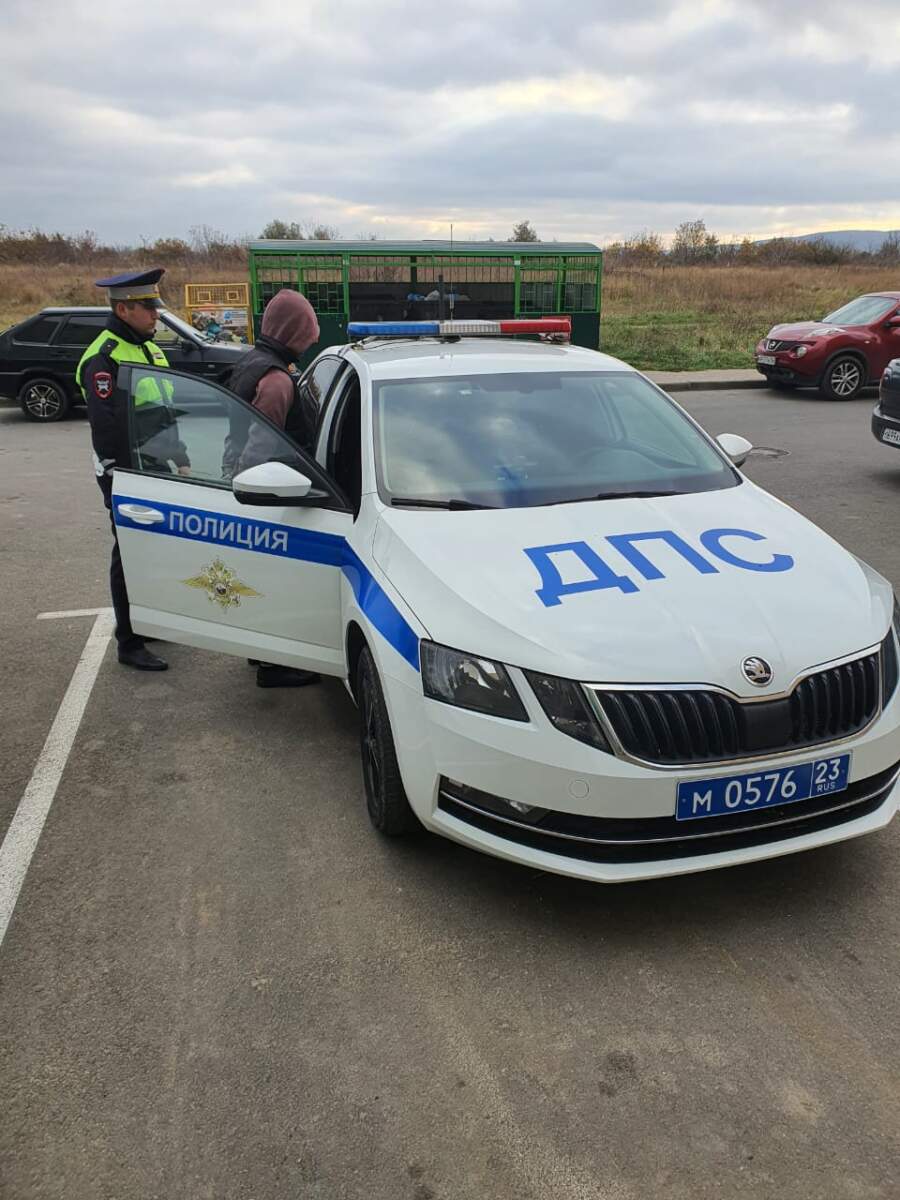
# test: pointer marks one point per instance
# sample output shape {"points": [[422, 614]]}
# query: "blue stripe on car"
{"points": [[283, 541]]}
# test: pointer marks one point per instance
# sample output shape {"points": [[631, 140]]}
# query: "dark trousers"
{"points": [[125, 635]]}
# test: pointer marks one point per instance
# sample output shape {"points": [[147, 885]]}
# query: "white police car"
{"points": [[579, 637]]}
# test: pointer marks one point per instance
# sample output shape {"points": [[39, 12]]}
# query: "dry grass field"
{"points": [[25, 289], [694, 318], [657, 318]]}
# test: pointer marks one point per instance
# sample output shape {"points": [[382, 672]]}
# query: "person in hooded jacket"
{"points": [[266, 378]]}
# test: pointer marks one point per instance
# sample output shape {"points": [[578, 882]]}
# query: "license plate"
{"points": [[767, 360], [762, 789], [891, 435]]}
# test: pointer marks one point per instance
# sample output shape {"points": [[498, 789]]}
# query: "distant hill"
{"points": [[867, 240]]}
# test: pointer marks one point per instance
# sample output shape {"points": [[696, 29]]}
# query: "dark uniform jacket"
{"points": [[262, 378], [98, 376]]}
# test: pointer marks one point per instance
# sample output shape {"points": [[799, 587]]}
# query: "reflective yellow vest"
{"points": [[147, 391]]}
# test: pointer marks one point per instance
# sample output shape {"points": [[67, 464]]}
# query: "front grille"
{"points": [[653, 839], [772, 344], [691, 726]]}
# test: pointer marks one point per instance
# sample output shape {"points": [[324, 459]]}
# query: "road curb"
{"points": [[705, 385]]}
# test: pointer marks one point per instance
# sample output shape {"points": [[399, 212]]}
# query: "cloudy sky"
{"points": [[593, 118]]}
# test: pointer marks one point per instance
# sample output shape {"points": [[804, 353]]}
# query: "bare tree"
{"points": [[694, 243], [890, 249]]}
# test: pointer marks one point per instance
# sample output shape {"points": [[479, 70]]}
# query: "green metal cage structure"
{"points": [[411, 281]]}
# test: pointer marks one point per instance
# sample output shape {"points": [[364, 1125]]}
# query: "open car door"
{"points": [[248, 563]]}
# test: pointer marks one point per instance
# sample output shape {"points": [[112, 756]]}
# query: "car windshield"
{"points": [[181, 327], [517, 440], [861, 311]]}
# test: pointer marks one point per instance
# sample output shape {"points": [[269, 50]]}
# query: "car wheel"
{"points": [[44, 400], [843, 378], [389, 809]]}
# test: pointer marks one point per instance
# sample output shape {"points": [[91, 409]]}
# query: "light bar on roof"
{"points": [[458, 328]]}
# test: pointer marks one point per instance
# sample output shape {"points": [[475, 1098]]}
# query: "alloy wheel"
{"points": [[845, 378], [43, 401]]}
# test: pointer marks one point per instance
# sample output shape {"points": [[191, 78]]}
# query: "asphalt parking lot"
{"points": [[219, 983]]}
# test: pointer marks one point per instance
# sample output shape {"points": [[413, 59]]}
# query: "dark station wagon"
{"points": [[39, 356]]}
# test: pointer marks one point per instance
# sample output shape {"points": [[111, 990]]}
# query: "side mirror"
{"points": [[894, 322], [736, 447], [273, 483], [187, 346]]}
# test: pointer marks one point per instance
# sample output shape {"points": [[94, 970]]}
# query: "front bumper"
{"points": [[782, 373], [611, 820], [884, 428]]}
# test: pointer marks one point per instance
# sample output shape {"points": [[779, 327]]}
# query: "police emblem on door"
{"points": [[221, 585], [757, 670]]}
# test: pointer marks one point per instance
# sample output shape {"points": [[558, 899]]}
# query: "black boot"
{"points": [[270, 675], [142, 659]]}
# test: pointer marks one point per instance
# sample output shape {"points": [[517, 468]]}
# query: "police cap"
{"points": [[134, 285]]}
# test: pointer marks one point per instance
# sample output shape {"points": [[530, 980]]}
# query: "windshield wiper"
{"points": [[646, 495], [411, 502]]}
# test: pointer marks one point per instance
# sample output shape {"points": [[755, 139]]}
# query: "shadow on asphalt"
{"points": [[804, 395], [887, 477], [783, 890]]}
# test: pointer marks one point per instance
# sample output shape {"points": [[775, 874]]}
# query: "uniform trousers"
{"points": [[125, 635]]}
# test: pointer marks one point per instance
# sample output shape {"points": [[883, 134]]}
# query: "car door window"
{"points": [[183, 426], [314, 389], [38, 332], [81, 330], [344, 460]]}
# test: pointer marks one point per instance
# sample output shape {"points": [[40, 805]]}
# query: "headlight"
{"points": [[799, 351], [467, 681], [564, 703]]}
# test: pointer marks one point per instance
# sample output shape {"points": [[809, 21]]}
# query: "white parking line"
{"points": [[25, 829], [73, 612]]}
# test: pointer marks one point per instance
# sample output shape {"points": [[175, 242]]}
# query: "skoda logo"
{"points": [[757, 670]]}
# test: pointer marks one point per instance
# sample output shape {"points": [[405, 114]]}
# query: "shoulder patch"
{"points": [[103, 384]]}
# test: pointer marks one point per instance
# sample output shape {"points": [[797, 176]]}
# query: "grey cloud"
{"points": [[346, 108]]}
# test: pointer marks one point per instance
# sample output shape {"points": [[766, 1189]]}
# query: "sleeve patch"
{"points": [[103, 385]]}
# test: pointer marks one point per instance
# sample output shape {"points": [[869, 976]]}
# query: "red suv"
{"points": [[839, 354]]}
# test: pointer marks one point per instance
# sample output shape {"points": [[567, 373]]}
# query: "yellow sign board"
{"points": [[221, 310]]}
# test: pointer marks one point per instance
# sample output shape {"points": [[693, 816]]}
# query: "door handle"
{"points": [[141, 515]]}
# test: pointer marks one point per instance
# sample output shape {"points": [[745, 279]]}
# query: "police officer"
{"points": [[134, 299]]}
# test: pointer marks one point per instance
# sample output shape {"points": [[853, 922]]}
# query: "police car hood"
{"points": [[722, 576]]}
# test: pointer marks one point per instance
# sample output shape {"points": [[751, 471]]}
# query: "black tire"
{"points": [[44, 399], [844, 378], [389, 809]]}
